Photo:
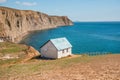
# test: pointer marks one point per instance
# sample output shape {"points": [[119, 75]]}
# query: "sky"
{"points": [[76, 10]]}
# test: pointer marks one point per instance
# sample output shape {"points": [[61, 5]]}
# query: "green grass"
{"points": [[34, 65], [12, 50], [10, 61], [7, 47], [38, 66], [13, 67]]}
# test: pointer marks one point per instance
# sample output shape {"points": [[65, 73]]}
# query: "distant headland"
{"points": [[14, 23]]}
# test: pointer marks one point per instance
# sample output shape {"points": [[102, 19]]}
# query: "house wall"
{"points": [[61, 54], [49, 51]]}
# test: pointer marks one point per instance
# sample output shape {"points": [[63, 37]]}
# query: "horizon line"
{"points": [[96, 21]]}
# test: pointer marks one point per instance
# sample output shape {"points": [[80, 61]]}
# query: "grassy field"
{"points": [[7, 47], [13, 67], [41, 65], [76, 67]]}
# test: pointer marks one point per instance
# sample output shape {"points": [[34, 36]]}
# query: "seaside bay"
{"points": [[85, 37]]}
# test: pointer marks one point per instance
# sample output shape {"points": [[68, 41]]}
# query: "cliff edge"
{"points": [[14, 24]]}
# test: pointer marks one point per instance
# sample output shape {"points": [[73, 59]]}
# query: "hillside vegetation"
{"points": [[11, 52], [105, 67], [24, 63]]}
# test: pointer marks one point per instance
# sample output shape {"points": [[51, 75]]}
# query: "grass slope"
{"points": [[103, 67], [7, 47], [78, 65]]}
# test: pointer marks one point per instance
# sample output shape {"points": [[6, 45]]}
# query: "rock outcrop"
{"points": [[14, 24]]}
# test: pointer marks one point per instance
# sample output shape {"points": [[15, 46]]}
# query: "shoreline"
{"points": [[23, 21], [22, 36]]}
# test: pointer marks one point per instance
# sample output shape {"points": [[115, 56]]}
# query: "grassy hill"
{"points": [[105, 67], [12, 53], [76, 67]]}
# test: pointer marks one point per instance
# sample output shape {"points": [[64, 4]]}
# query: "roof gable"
{"points": [[61, 43]]}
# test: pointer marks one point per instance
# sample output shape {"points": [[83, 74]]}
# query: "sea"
{"points": [[85, 37]]}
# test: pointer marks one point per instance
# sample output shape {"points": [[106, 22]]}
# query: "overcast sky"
{"points": [[77, 10]]}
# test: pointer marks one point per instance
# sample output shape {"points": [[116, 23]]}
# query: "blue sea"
{"points": [[85, 37]]}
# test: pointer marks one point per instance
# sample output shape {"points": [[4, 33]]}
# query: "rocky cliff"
{"points": [[14, 24]]}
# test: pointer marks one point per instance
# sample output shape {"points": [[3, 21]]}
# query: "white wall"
{"points": [[49, 51], [61, 54]]}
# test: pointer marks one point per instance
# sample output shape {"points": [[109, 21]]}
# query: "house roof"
{"points": [[60, 43]]}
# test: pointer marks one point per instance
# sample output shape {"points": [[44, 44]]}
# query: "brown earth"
{"points": [[106, 67]]}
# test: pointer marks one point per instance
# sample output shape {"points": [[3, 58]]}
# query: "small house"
{"points": [[56, 48]]}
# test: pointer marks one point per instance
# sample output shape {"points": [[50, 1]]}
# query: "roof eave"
{"points": [[44, 44], [63, 49]]}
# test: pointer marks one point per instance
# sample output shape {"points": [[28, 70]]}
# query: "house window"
{"points": [[63, 51], [67, 49]]}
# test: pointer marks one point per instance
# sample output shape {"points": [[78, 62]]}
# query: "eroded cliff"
{"points": [[14, 24]]}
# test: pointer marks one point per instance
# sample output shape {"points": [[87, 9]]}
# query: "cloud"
{"points": [[17, 2], [29, 4], [26, 3], [3, 1]]}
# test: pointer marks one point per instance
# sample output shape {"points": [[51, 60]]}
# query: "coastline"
{"points": [[22, 36], [23, 21]]}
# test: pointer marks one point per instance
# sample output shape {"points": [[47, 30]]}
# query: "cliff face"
{"points": [[14, 24]]}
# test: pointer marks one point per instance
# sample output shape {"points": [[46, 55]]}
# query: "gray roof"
{"points": [[61, 43]]}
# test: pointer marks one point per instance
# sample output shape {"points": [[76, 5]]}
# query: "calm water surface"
{"points": [[84, 36]]}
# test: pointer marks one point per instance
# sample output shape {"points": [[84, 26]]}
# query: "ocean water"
{"points": [[85, 37]]}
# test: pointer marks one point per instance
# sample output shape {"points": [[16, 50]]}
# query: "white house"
{"points": [[56, 48]]}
